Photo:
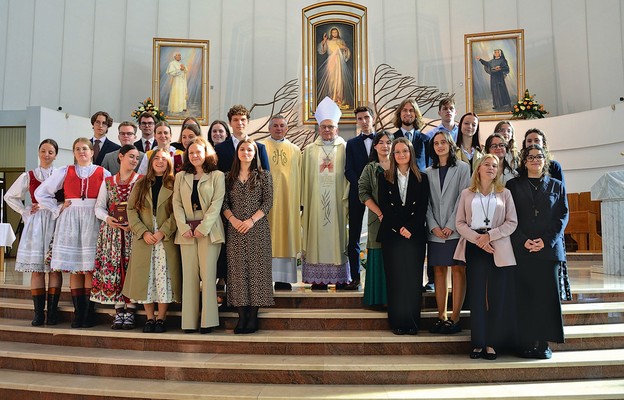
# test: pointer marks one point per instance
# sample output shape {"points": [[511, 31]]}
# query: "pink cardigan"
{"points": [[504, 223]]}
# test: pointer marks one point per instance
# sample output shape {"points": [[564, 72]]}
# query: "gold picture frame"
{"points": [[335, 57], [181, 91], [494, 86]]}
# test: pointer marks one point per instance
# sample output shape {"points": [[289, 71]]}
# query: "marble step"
{"points": [[303, 297], [287, 342], [321, 319], [308, 369], [29, 385]]}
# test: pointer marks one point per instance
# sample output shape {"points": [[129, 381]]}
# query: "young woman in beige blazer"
{"points": [[197, 199]]}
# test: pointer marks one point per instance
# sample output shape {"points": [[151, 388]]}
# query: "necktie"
{"points": [[408, 135], [96, 148], [147, 146], [367, 137]]}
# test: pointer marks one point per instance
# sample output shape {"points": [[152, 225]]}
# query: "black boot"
{"points": [[242, 320], [78, 311], [252, 321], [39, 302], [88, 318], [52, 316]]}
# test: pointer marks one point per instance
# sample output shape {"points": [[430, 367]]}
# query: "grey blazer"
{"points": [[442, 208], [112, 165]]}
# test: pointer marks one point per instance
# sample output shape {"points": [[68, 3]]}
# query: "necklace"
{"points": [[535, 186], [485, 210], [327, 160], [124, 181]]}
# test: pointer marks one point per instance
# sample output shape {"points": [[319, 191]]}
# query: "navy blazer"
{"points": [[107, 147], [551, 204], [396, 215], [225, 155], [139, 145], [356, 160], [420, 141]]}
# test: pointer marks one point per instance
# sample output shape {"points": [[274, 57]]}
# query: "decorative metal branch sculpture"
{"points": [[285, 103], [391, 87]]}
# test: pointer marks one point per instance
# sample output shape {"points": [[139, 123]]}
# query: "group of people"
{"points": [[492, 213], [148, 226], [180, 217]]}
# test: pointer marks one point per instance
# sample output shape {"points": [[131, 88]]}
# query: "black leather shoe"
{"points": [[412, 332], [399, 331], [318, 286], [543, 351], [353, 285], [527, 353], [161, 326], [149, 326], [283, 286], [189, 330], [489, 356], [437, 327], [476, 353], [204, 331]]}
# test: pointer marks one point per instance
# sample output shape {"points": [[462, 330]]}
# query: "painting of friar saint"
{"points": [[334, 64], [181, 81], [495, 79]]}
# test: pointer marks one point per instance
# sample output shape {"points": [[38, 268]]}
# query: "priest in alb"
{"points": [[324, 197], [284, 218]]}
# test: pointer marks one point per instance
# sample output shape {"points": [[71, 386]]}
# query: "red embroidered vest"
{"points": [[73, 185]]}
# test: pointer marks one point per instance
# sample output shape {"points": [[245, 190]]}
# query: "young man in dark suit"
{"points": [[147, 123], [238, 116], [358, 151], [101, 121]]}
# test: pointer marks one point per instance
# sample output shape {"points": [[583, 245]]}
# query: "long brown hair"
{"points": [[144, 184], [254, 169], [210, 162], [419, 122], [391, 172]]}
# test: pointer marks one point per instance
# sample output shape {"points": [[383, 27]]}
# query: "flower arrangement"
{"points": [[148, 105], [528, 108]]}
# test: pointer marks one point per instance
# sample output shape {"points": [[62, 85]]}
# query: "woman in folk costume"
{"points": [[325, 192], [37, 234], [115, 239], [76, 232]]}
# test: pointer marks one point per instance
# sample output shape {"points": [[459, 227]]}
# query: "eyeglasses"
{"points": [[538, 157], [327, 127], [126, 133], [498, 146]]}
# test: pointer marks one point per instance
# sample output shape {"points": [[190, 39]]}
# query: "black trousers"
{"points": [[492, 316], [537, 302], [356, 213], [403, 263]]}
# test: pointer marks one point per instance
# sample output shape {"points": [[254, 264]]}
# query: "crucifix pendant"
{"points": [[536, 212], [486, 221]]}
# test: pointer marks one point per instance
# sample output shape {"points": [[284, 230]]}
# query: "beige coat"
{"points": [[211, 189], [135, 286], [504, 223]]}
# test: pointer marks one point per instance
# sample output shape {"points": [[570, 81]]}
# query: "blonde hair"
{"points": [[475, 181]]}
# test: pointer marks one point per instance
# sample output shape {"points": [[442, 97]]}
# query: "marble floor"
{"points": [[584, 276]]}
